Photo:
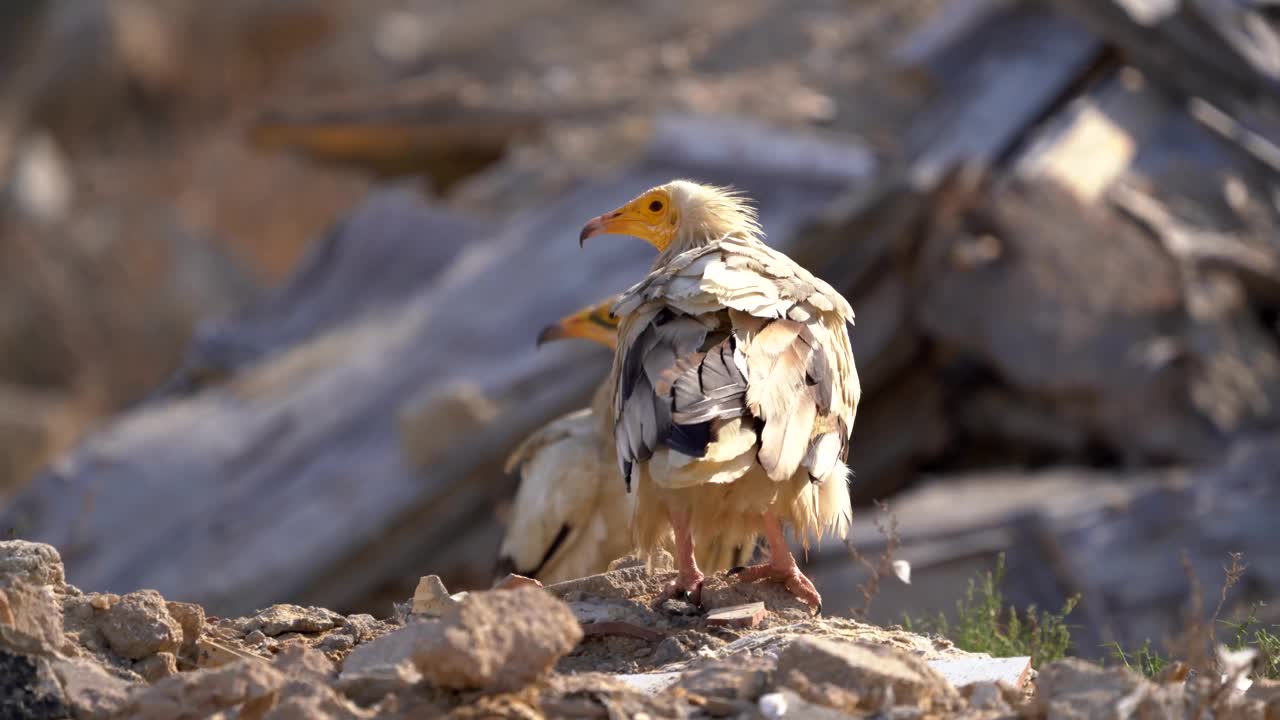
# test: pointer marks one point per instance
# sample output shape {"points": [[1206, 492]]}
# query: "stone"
{"points": [[742, 678], [297, 660], [336, 642], [212, 653], [157, 667], [91, 692], [247, 685], [1074, 688], [139, 625], [513, 581], [786, 704], [257, 638], [431, 598], [190, 617], [33, 562], [363, 627], [394, 648], [311, 700], [30, 618], [749, 615], [371, 685], [862, 673], [29, 689], [280, 619], [498, 640], [985, 696]]}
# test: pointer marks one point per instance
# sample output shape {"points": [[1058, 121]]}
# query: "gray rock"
{"points": [[394, 648], [157, 667], [191, 617], [32, 562], [862, 674], [29, 689], [91, 692], [497, 640], [280, 619], [30, 619], [297, 660], [139, 625], [247, 684], [1073, 688], [739, 678], [336, 642], [363, 627]]}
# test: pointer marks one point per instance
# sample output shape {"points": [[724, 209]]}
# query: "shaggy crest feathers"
{"points": [[710, 213]]}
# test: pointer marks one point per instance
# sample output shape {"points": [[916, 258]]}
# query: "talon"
{"points": [[736, 569], [819, 610]]}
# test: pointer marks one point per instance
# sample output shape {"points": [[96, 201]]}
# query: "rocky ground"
{"points": [[589, 648]]}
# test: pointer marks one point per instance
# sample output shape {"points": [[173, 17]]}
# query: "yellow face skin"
{"points": [[650, 217], [594, 323]]}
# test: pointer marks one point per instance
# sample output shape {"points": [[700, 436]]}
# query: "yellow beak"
{"points": [[624, 221], [593, 323]]}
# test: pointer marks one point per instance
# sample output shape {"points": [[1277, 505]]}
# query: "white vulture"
{"points": [[734, 387], [571, 514]]}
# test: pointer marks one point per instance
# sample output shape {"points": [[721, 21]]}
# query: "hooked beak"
{"points": [[554, 331], [597, 226]]}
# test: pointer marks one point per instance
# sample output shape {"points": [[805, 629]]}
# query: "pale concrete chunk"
{"points": [[964, 671]]}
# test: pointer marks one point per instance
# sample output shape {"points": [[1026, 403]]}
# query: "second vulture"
{"points": [[571, 514]]}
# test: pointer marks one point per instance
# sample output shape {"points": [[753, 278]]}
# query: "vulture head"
{"points": [[595, 323], [678, 216]]}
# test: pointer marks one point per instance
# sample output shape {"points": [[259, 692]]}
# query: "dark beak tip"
{"points": [[582, 236], [547, 334]]}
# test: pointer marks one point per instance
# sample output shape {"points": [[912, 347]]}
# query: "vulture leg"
{"points": [[688, 582], [781, 566]]}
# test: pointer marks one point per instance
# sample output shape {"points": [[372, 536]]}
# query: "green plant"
{"points": [[984, 623], [1251, 632], [1144, 660]]}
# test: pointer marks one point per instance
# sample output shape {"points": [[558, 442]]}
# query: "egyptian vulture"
{"points": [[734, 387], [570, 515]]}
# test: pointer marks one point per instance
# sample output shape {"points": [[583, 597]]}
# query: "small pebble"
{"points": [[336, 642], [100, 602], [255, 638], [773, 706]]}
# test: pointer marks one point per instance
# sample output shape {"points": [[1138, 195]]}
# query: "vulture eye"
{"points": [[655, 206]]}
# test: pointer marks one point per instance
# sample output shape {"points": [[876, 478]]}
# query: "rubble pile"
{"points": [[583, 649]]}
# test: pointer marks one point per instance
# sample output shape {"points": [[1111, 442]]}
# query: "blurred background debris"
{"points": [[271, 274]]}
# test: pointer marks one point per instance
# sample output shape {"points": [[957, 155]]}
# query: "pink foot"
{"points": [[688, 582], [790, 576], [781, 566], [687, 586]]}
